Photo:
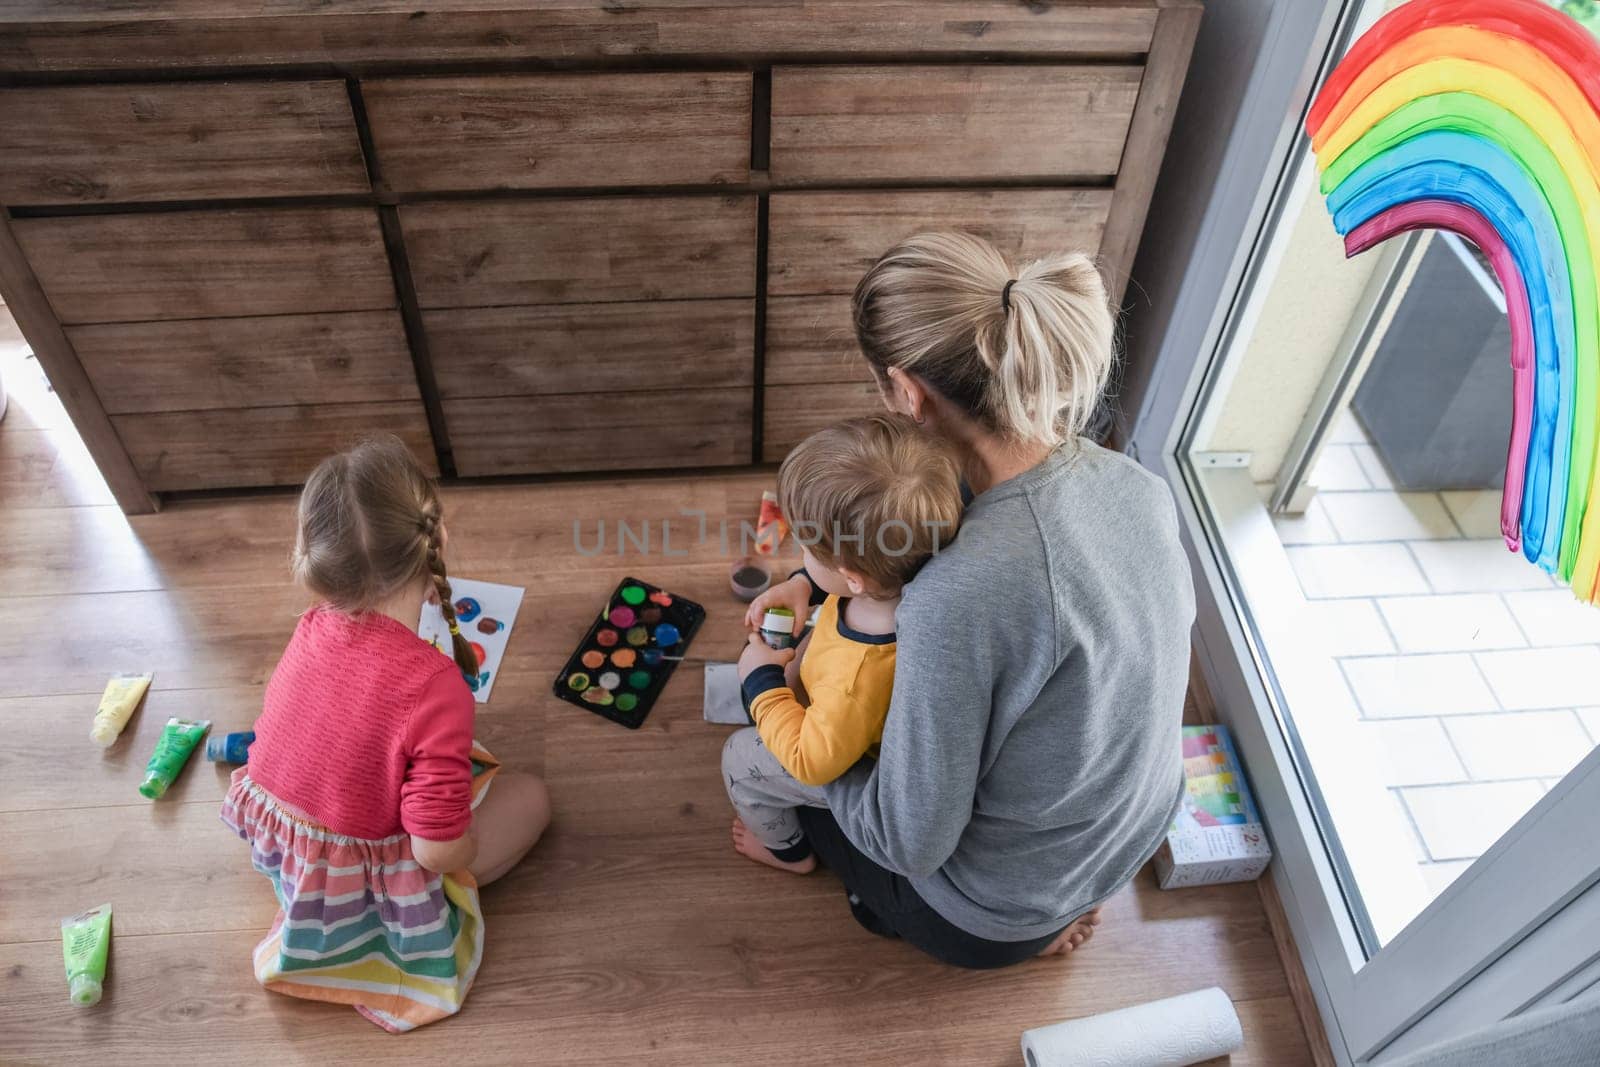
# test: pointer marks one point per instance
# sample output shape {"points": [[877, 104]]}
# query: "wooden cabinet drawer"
{"points": [[201, 364], [582, 250], [823, 242], [791, 413], [99, 35], [235, 447], [543, 131], [208, 264], [175, 141], [811, 339], [950, 122], [600, 431], [588, 348]]}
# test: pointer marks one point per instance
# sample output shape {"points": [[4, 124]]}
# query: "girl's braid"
{"points": [[466, 659]]}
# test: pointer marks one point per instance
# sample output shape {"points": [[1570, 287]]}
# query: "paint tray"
{"points": [[620, 667]]}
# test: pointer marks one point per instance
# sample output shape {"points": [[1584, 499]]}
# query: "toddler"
{"points": [[363, 787], [869, 499]]}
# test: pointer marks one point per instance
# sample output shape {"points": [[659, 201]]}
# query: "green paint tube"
{"points": [[85, 940], [178, 741]]}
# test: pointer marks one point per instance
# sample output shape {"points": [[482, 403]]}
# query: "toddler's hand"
{"points": [[794, 594], [757, 653]]}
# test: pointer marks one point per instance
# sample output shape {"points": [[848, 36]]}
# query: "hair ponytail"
{"points": [[1024, 353], [466, 659]]}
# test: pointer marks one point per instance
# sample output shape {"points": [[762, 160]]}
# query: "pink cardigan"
{"points": [[367, 730]]}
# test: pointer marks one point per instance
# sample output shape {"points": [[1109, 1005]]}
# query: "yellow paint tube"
{"points": [[122, 695]]}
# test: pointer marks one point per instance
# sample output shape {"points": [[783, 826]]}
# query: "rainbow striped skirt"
{"points": [[360, 922]]}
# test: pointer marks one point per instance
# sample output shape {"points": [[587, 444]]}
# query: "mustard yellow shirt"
{"points": [[849, 678]]}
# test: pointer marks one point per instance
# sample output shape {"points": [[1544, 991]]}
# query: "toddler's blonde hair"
{"points": [[369, 527], [1023, 351], [875, 494]]}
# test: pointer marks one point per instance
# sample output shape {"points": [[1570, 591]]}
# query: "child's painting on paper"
{"points": [[485, 612]]}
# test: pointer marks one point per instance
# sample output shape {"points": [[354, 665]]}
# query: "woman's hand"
{"points": [[794, 594], [757, 653]]}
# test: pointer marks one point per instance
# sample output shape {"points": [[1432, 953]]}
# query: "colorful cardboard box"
{"points": [[1217, 835]]}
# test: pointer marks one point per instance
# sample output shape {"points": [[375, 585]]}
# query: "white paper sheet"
{"points": [[499, 603], [722, 703]]}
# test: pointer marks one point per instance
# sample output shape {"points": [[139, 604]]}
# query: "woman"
{"points": [[1030, 760]]}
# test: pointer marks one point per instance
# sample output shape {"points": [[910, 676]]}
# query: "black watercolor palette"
{"points": [[620, 667]]}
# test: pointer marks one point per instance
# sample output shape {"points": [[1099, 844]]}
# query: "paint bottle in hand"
{"points": [[777, 628]]}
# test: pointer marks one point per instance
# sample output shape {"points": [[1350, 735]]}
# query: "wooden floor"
{"points": [[633, 934]]}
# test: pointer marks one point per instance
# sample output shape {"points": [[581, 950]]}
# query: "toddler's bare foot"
{"points": [[1080, 930], [745, 843]]}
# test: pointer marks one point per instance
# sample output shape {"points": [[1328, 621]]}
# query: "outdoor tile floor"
{"points": [[1474, 673]]}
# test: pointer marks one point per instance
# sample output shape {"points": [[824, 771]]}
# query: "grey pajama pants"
{"points": [[765, 796]]}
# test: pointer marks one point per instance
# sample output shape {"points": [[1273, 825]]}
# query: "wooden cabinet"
{"points": [[236, 347], [85, 144], [530, 239], [920, 123], [814, 371], [792, 412], [586, 348], [824, 242], [587, 250], [811, 339], [627, 321], [48, 36], [532, 390], [542, 131], [202, 364], [223, 449], [602, 432], [208, 264]]}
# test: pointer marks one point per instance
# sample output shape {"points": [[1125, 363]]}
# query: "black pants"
{"points": [[884, 902]]}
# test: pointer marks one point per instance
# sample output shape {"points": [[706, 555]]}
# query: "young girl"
{"points": [[363, 787]]}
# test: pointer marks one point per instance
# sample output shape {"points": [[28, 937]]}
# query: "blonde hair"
{"points": [[369, 527], [874, 494], [1024, 351]]}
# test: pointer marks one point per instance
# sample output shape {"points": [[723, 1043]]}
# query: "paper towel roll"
{"points": [[1164, 1033]]}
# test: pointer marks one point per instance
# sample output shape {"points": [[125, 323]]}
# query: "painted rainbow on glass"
{"points": [[1482, 117]]}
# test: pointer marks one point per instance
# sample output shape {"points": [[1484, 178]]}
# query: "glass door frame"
{"points": [[1520, 927]]}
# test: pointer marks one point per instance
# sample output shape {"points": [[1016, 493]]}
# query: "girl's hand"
{"points": [[443, 857], [794, 594], [757, 653]]}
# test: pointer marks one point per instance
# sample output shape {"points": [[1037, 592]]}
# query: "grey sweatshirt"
{"points": [[1031, 760]]}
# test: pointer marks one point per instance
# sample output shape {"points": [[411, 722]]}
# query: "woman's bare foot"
{"points": [[746, 844], [1080, 930]]}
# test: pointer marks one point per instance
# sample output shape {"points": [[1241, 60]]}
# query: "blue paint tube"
{"points": [[230, 748]]}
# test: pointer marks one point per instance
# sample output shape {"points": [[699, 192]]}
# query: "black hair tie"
{"points": [[1005, 295]]}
